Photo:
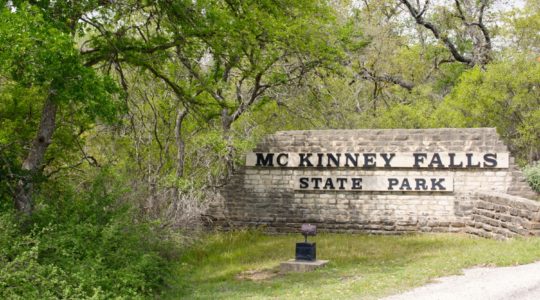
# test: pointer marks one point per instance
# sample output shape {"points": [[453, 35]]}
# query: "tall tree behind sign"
{"points": [[49, 99]]}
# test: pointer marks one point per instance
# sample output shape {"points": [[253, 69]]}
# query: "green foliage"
{"points": [[449, 77], [523, 26], [532, 173], [33, 53], [505, 96], [63, 15], [81, 244], [39, 61], [406, 116]]}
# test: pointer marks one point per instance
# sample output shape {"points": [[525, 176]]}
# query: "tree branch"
{"points": [[366, 74], [177, 89], [199, 78], [418, 16], [480, 24]]}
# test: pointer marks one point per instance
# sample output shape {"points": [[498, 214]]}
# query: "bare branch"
{"points": [[418, 16], [479, 24], [199, 78], [366, 74], [461, 15], [50, 174], [421, 13], [89, 158], [177, 89]]}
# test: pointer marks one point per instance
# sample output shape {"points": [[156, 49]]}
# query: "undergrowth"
{"points": [[81, 244], [532, 174]]}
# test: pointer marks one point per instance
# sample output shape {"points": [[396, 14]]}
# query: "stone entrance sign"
{"points": [[378, 181]]}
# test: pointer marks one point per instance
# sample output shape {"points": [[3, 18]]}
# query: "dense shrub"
{"points": [[532, 173], [80, 245], [504, 95]]}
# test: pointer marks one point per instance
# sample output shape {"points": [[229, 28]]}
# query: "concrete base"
{"points": [[293, 265]]}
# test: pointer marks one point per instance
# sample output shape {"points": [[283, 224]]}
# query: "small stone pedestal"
{"points": [[293, 265]]}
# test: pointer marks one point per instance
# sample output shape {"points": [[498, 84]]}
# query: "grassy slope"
{"points": [[360, 266]]}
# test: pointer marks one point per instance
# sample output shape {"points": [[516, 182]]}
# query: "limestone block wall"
{"points": [[266, 196], [501, 216]]}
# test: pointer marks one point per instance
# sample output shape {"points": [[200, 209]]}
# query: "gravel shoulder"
{"points": [[518, 282]]}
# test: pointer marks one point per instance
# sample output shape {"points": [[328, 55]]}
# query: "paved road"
{"points": [[508, 283]]}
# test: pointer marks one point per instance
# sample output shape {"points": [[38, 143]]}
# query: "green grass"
{"points": [[361, 266]]}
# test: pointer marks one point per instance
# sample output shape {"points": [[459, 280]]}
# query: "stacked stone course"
{"points": [[265, 197], [501, 216]]}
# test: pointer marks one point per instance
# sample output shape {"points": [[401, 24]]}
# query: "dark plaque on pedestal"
{"points": [[306, 251], [306, 254]]}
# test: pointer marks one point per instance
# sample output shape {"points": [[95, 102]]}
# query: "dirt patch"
{"points": [[258, 275]]}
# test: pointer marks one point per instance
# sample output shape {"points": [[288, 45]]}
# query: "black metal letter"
{"points": [[333, 158], [304, 182], [490, 160], [329, 183], [420, 184], [435, 182], [452, 161], [320, 155], [356, 183], [262, 161], [316, 180], [369, 160], [469, 161], [341, 182], [391, 183], [278, 159], [436, 160], [419, 158], [304, 158], [405, 185], [387, 159], [353, 159]]}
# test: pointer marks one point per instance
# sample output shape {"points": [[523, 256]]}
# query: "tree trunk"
{"points": [[32, 163], [180, 152], [226, 124], [180, 143]]}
